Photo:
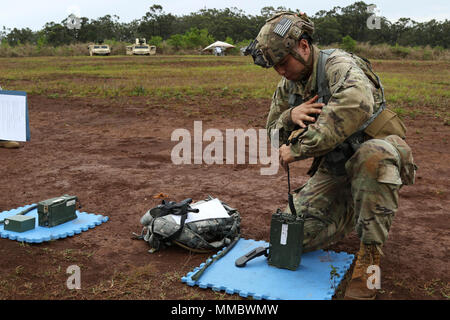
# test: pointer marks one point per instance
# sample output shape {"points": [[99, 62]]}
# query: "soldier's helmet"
{"points": [[278, 37]]}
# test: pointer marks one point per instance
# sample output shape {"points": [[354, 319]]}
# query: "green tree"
{"points": [[348, 44], [196, 38], [327, 30], [229, 40], [21, 36], [330, 27], [156, 23], [176, 41], [155, 40], [57, 34]]}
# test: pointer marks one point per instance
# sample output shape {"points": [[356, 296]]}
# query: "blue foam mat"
{"points": [[313, 280], [83, 222]]}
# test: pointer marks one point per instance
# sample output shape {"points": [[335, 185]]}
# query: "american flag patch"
{"points": [[282, 26]]}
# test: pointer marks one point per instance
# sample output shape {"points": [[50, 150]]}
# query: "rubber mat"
{"points": [[83, 222], [317, 277]]}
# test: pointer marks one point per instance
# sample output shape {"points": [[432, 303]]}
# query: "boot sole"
{"points": [[359, 298]]}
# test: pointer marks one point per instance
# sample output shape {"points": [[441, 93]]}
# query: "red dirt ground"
{"points": [[115, 156]]}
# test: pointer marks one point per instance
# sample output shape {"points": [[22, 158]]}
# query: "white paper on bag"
{"points": [[212, 209]]}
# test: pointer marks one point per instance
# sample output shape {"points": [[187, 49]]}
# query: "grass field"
{"points": [[407, 83]]}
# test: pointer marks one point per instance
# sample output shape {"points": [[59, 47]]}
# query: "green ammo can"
{"points": [[286, 241], [19, 223]]}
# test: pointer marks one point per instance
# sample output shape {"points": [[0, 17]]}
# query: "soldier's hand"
{"points": [[285, 156], [303, 112]]}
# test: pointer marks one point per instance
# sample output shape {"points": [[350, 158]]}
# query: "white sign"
{"points": [[14, 116]]}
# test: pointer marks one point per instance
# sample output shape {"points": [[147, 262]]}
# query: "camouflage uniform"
{"points": [[364, 195]]}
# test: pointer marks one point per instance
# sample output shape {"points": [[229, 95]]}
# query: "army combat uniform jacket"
{"points": [[362, 191]]}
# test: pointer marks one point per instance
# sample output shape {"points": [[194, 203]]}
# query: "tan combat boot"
{"points": [[357, 288], [9, 144]]}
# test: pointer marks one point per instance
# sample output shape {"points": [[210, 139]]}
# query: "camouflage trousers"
{"points": [[365, 199]]}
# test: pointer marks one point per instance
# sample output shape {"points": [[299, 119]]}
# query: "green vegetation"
{"points": [[173, 33], [408, 84], [348, 44], [180, 46]]}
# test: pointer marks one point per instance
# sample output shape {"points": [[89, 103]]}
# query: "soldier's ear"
{"points": [[303, 47], [303, 44]]}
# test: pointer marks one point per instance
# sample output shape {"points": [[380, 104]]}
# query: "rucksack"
{"points": [[160, 229]]}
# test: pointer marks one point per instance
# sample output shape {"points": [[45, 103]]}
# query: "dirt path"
{"points": [[115, 157]]}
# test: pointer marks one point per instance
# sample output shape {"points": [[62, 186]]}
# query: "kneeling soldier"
{"points": [[330, 106]]}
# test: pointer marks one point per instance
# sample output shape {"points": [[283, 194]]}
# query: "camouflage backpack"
{"points": [[161, 229]]}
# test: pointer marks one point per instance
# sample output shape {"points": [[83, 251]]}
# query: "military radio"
{"points": [[286, 243], [286, 239], [51, 213], [19, 223]]}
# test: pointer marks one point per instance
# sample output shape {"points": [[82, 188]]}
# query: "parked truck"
{"points": [[99, 49], [140, 47]]}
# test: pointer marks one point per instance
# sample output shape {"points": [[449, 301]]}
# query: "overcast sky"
{"points": [[35, 13]]}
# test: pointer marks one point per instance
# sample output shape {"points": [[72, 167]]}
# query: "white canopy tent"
{"points": [[220, 44]]}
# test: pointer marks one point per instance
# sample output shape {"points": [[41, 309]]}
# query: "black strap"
{"points": [[295, 100], [290, 197], [182, 208], [322, 84]]}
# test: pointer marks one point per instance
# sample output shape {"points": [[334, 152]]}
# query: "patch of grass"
{"points": [[47, 250], [413, 113], [142, 281], [53, 96], [401, 112], [19, 270], [160, 76], [437, 287], [402, 283], [138, 91]]}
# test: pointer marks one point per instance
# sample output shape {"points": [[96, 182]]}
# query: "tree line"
{"points": [[233, 25]]}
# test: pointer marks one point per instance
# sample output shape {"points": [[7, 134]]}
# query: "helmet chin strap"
{"points": [[308, 64]]}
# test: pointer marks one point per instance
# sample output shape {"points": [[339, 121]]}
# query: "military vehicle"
{"points": [[99, 49], [140, 47]]}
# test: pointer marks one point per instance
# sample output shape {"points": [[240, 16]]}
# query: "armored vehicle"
{"points": [[140, 47], [99, 49]]}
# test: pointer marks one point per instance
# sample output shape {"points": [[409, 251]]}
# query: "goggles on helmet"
{"points": [[257, 54]]}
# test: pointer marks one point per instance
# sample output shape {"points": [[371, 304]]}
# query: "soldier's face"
{"points": [[291, 68]]}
